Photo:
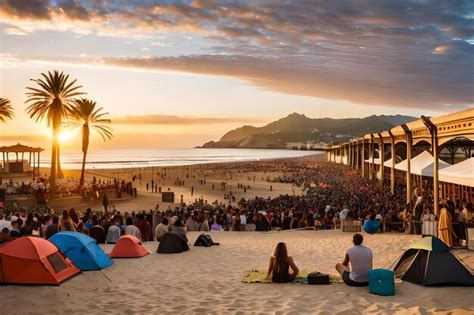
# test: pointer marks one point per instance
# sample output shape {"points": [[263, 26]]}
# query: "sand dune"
{"points": [[208, 280]]}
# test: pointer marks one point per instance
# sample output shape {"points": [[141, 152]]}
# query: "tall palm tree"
{"points": [[6, 110], [87, 114], [51, 100]]}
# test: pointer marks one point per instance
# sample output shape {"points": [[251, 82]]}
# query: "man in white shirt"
{"points": [[131, 229], [161, 229], [4, 223], [360, 259]]}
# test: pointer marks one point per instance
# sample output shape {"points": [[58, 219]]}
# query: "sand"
{"points": [[212, 173], [208, 280]]}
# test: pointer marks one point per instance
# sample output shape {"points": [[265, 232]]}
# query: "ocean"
{"points": [[107, 159]]}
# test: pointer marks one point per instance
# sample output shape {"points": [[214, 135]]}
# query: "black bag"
{"points": [[204, 240], [318, 278]]}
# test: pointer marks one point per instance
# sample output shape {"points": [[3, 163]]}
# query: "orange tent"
{"points": [[128, 246], [33, 260]]}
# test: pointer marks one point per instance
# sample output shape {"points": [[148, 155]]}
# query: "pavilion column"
{"points": [[382, 160], [409, 149], [363, 158], [434, 148], [372, 157], [353, 155], [392, 166], [349, 154], [357, 154]]}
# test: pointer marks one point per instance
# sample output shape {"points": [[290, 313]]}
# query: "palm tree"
{"points": [[51, 101], [87, 114], [6, 110]]}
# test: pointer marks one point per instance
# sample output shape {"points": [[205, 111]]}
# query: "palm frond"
{"points": [[6, 110]]}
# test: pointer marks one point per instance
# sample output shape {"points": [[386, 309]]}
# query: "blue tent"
{"points": [[82, 250]]}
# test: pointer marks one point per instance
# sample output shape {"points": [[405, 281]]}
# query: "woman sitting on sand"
{"points": [[66, 223], [280, 264]]}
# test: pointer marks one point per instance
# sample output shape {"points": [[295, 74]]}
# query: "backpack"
{"points": [[203, 240], [318, 278]]}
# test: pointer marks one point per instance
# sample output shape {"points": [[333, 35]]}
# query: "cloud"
{"points": [[177, 120], [14, 31], [423, 82], [26, 9], [399, 53]]}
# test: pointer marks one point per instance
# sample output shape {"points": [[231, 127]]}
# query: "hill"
{"points": [[297, 130]]}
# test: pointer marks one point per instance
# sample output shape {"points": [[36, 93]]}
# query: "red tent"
{"points": [[33, 260], [128, 246]]}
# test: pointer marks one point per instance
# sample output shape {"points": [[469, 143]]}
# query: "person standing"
{"points": [[445, 229]]}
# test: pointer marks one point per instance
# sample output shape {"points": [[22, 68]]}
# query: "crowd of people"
{"points": [[332, 193]]}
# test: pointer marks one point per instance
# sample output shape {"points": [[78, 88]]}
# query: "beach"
{"points": [[208, 280], [256, 176]]}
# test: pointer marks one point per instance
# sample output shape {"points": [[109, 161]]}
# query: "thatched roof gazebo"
{"points": [[18, 165]]}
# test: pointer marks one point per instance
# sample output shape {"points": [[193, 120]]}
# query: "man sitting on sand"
{"points": [[360, 258]]}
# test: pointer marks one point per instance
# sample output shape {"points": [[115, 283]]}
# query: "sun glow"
{"points": [[66, 135]]}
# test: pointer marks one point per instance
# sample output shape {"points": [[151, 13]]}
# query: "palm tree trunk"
{"points": [[52, 173], [58, 161], [85, 147]]}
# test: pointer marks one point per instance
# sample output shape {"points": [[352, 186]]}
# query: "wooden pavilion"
{"points": [[19, 165]]}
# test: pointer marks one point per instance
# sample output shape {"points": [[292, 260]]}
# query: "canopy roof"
{"points": [[461, 173], [20, 148], [422, 164]]}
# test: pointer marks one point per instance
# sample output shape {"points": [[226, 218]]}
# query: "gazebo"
{"points": [[18, 165]]}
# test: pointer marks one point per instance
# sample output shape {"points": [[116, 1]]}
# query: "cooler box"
{"points": [[381, 282]]}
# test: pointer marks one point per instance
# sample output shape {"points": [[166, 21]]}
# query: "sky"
{"points": [[176, 74]]}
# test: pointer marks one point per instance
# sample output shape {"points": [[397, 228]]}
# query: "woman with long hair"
{"points": [[66, 223], [280, 264]]}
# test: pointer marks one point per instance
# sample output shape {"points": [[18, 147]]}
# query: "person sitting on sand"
{"points": [[178, 229], [360, 258], [53, 228], [5, 235], [113, 232], [131, 229], [280, 264], [161, 229], [66, 223]]}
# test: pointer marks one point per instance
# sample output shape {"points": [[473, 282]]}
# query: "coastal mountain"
{"points": [[299, 131]]}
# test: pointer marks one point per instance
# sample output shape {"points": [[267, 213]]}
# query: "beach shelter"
{"points": [[82, 250], [128, 246], [461, 173], [422, 164], [430, 262], [34, 260]]}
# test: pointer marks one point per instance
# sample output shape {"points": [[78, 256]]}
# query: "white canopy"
{"points": [[422, 164], [388, 163], [461, 173]]}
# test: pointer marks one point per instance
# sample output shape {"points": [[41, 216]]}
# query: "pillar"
{"points": [[371, 157], [357, 154], [409, 141], [363, 157], [382, 159], [392, 166]]}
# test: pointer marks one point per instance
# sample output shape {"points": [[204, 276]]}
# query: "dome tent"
{"points": [[34, 261], [82, 250], [128, 246], [430, 262]]}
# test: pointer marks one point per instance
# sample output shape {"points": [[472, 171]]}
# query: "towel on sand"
{"points": [[256, 276]]}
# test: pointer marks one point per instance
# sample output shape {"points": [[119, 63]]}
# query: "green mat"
{"points": [[256, 276]]}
